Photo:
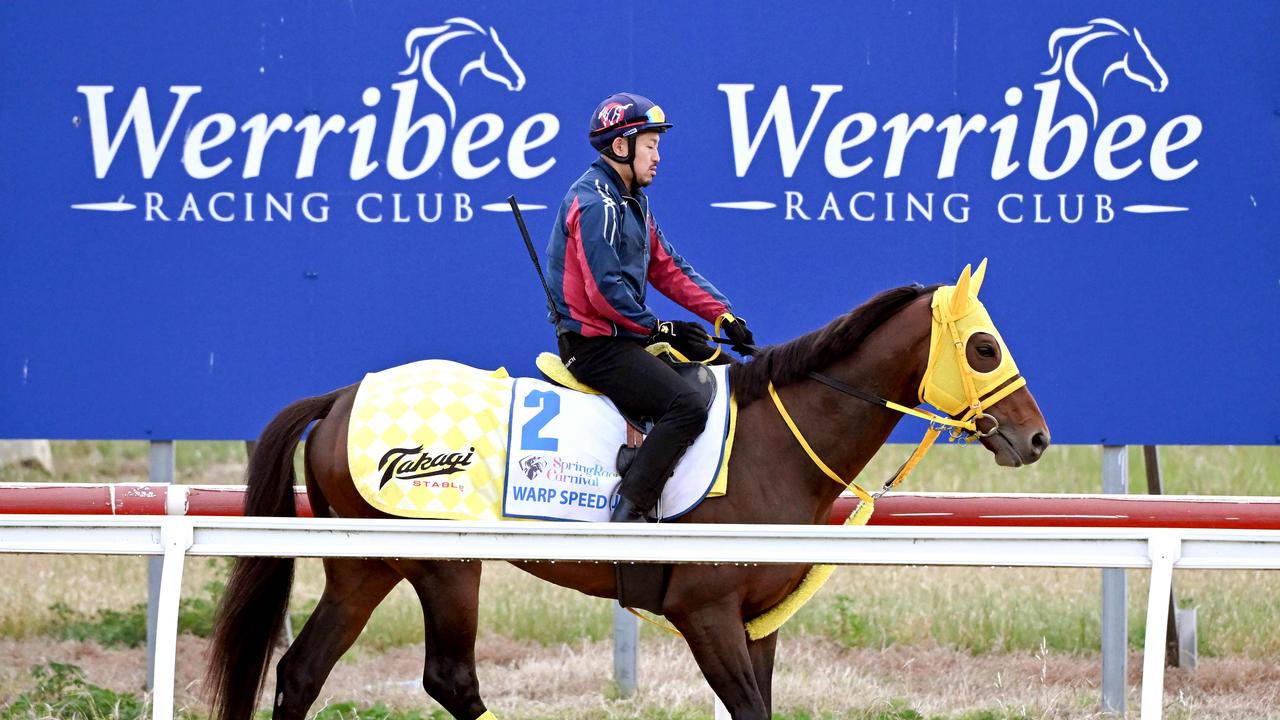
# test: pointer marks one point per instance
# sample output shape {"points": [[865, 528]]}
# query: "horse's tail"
{"points": [[253, 607]]}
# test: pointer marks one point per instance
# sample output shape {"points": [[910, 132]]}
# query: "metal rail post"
{"points": [[1180, 643], [626, 650], [1115, 595], [176, 535], [1165, 549], [161, 471]]}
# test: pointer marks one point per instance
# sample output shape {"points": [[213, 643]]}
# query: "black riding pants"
{"points": [[640, 384]]}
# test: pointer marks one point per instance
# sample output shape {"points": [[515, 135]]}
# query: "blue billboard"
{"points": [[210, 209]]}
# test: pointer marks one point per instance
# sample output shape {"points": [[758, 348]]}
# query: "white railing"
{"points": [[174, 538]]}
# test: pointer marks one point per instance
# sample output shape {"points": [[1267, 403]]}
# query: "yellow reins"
{"points": [[866, 506], [952, 306], [955, 312]]}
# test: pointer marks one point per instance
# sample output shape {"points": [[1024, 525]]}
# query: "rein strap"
{"points": [[867, 504], [867, 501], [934, 418]]}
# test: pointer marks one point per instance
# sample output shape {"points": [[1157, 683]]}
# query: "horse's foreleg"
{"points": [[762, 652], [450, 596], [719, 644], [352, 589]]}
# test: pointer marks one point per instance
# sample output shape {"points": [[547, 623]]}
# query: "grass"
{"points": [[377, 711], [1186, 470], [979, 609], [128, 628], [1000, 610], [94, 461], [62, 691], [1027, 609]]}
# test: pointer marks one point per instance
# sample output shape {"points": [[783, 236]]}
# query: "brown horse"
{"points": [[882, 347]]}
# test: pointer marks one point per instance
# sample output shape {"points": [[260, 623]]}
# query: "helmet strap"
{"points": [[629, 159]]}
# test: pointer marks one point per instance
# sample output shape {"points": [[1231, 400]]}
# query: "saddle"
{"points": [[697, 375], [640, 585]]}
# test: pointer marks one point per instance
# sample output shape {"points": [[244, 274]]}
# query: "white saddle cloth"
{"points": [[564, 444]]}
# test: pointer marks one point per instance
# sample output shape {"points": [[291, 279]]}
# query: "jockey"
{"points": [[605, 249]]}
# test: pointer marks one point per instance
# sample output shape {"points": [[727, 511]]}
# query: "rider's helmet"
{"points": [[624, 115]]}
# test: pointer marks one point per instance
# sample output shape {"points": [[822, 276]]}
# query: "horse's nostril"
{"points": [[1039, 441]]}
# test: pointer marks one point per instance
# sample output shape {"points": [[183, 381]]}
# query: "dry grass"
{"points": [[1197, 470], [523, 681], [1186, 470], [1010, 609], [978, 609]]}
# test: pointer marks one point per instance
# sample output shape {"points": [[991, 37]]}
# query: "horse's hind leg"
{"points": [[450, 596], [352, 589]]}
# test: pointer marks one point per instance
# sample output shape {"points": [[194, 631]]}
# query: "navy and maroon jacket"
{"points": [[604, 247]]}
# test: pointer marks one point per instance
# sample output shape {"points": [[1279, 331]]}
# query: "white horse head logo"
{"points": [[1141, 67], [494, 62]]}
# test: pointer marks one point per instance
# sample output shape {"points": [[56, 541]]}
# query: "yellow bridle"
{"points": [[956, 388], [953, 387]]}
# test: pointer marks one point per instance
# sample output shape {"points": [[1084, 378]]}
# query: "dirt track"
{"points": [[526, 681]]}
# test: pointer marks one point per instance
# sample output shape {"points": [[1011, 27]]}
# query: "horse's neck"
{"points": [[845, 432], [851, 430], [1090, 64], [452, 56]]}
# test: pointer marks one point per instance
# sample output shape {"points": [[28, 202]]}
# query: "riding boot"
{"points": [[627, 511], [640, 487]]}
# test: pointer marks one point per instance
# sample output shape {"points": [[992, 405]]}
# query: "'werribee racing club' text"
{"points": [[1121, 148], [218, 144]]}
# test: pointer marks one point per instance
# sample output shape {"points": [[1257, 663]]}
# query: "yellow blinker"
{"points": [[957, 316]]}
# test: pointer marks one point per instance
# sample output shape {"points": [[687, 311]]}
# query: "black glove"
{"points": [[689, 338], [738, 332]]}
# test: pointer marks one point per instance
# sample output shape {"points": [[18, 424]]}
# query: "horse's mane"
{"points": [[792, 361]]}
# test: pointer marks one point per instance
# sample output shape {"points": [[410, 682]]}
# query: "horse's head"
{"points": [[971, 375], [493, 62], [1139, 65], [1133, 57]]}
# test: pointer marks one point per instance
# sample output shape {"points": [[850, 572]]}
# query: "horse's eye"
{"points": [[986, 351]]}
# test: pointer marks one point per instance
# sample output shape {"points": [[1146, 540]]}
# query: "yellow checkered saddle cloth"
{"points": [[438, 439]]}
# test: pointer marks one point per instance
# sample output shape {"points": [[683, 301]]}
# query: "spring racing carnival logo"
{"points": [[209, 153], [1082, 60]]}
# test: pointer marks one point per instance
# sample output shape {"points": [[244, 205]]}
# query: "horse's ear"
{"points": [[960, 297], [978, 276]]}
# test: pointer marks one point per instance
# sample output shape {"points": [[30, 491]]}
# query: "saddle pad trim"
{"points": [[550, 365], [720, 479], [554, 369], [506, 474]]}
